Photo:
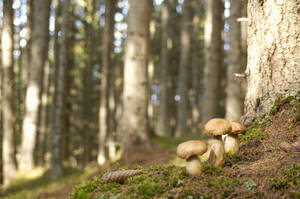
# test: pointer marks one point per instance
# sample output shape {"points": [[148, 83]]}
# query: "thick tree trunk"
{"points": [[29, 13], [57, 128], [234, 97], [105, 114], [164, 121], [8, 86], [273, 54], [185, 46], [134, 121], [39, 49], [213, 59]]}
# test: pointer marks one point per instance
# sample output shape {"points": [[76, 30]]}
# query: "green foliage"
{"points": [[232, 158], [212, 170], [84, 190], [291, 177], [298, 117], [254, 133]]}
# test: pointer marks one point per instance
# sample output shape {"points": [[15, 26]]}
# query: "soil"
{"points": [[261, 170]]}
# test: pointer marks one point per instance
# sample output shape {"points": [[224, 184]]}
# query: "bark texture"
{"points": [[39, 49], [234, 94], [167, 45], [58, 106], [134, 119], [185, 45], [213, 59], [8, 106], [105, 113], [273, 54]]}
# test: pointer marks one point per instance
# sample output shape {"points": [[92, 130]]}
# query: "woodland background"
{"points": [[85, 80]]}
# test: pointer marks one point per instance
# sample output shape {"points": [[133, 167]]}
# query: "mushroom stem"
{"points": [[193, 165], [231, 144], [217, 152]]}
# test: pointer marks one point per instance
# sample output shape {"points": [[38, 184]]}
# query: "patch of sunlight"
{"points": [[30, 175]]}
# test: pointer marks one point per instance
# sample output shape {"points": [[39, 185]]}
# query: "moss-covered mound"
{"points": [[260, 170]]}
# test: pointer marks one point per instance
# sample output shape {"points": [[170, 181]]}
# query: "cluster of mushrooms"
{"points": [[216, 127]]}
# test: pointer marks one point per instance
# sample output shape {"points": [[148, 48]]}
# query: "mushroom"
{"points": [[189, 151], [231, 141], [217, 127]]}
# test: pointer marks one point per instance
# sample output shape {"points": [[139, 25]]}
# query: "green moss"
{"points": [[212, 170], [291, 176], [232, 158], [298, 117], [254, 133]]}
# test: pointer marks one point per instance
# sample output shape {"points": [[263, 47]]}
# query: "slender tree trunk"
{"points": [[8, 101], [106, 75], [134, 119], [196, 66], [213, 59], [273, 54], [29, 24], [234, 97], [57, 128], [39, 49], [183, 105], [164, 121]]}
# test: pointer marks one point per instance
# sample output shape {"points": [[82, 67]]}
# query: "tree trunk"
{"points": [[234, 97], [164, 121], [107, 68], [134, 120], [196, 66], [213, 59], [273, 54], [57, 128], [185, 46], [29, 13], [39, 49], [8, 86]]}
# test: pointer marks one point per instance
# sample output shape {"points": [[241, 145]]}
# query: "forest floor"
{"points": [[260, 170]]}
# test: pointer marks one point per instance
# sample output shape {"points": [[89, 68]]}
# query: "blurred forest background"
{"points": [[85, 80]]}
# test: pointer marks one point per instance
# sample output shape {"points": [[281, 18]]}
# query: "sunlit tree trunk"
{"points": [[8, 86], [105, 114], [273, 54], [29, 13], [164, 120], [234, 90], [134, 120], [185, 46], [39, 49], [58, 106], [213, 59]]}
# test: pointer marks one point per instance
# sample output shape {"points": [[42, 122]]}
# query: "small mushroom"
{"points": [[231, 141], [217, 127], [189, 151]]}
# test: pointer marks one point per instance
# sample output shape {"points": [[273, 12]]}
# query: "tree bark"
{"points": [[134, 119], [213, 59], [164, 121], [273, 54], [105, 113], [234, 97], [39, 49], [57, 128], [185, 46], [8, 86]]}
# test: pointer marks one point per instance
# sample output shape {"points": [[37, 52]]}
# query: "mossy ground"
{"points": [[260, 170]]}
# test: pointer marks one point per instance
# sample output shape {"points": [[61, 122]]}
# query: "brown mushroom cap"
{"points": [[237, 128], [187, 149], [217, 126]]}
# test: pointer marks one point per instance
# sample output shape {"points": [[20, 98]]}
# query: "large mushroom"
{"points": [[231, 141], [217, 127], [189, 151]]}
